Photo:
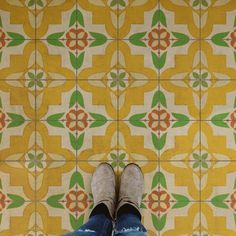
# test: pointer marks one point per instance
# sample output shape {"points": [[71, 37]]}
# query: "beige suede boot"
{"points": [[104, 187], [131, 187]]}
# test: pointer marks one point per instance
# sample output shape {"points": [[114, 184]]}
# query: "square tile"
{"points": [[53, 18], [135, 97], [17, 20], [18, 183], [217, 60], [212, 223], [17, 138], [218, 183], [217, 18], [181, 97], [68, 201], [165, 200], [183, 17], [218, 140], [217, 101], [18, 219], [174, 220], [17, 60]]}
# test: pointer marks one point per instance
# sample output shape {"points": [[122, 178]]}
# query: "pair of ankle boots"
{"points": [[130, 191]]}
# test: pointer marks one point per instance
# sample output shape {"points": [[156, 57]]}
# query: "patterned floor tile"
{"points": [[218, 102], [145, 81], [17, 138], [12, 222], [66, 203], [218, 140], [17, 21], [168, 199], [217, 17], [217, 220]]}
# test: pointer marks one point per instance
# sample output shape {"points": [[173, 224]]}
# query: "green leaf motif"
{"points": [[135, 120], [98, 116], [136, 39], [158, 222], [218, 201], [97, 123], [142, 206], [53, 201], [182, 201], [159, 16], [17, 201], [218, 39], [76, 223], [159, 97], [76, 143], [17, 120], [182, 39], [100, 39], [159, 143], [234, 57], [77, 178], [76, 97], [17, 39], [159, 62], [76, 16], [182, 120], [0, 138], [218, 120], [76, 61], [53, 120], [99, 120], [0, 102], [159, 178], [53, 39]]}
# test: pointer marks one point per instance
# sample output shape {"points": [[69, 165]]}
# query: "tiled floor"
{"points": [[145, 81]]}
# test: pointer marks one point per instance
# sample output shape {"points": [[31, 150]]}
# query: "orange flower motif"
{"points": [[76, 39], [159, 201], [76, 201], [76, 120], [159, 120], [2, 39], [2, 120], [233, 201], [2, 201], [159, 39], [233, 39]]}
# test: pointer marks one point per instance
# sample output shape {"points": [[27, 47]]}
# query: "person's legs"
{"points": [[129, 223], [103, 186], [99, 223], [128, 213]]}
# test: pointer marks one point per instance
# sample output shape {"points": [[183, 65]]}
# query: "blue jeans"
{"points": [[127, 224]]}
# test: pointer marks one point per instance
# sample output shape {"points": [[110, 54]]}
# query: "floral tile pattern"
{"points": [[145, 81]]}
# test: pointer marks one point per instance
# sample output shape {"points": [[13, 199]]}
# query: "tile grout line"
{"points": [[118, 90], [76, 108], [91, 161], [35, 104], [159, 89], [200, 117], [155, 79]]}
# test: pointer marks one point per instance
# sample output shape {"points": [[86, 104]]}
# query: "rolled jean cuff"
{"points": [[130, 232]]}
